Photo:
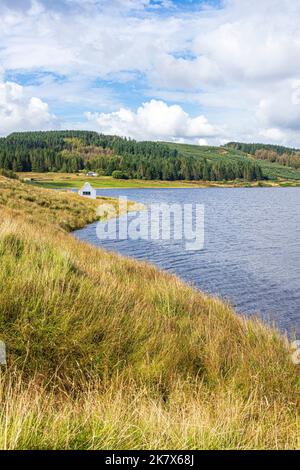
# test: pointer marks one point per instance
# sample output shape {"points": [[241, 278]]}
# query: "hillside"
{"points": [[253, 147], [97, 360], [65, 210], [73, 151], [272, 154], [270, 169]]}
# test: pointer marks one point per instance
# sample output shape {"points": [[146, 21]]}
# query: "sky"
{"points": [[198, 71]]}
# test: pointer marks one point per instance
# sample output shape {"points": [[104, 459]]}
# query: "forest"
{"points": [[74, 151], [273, 153]]}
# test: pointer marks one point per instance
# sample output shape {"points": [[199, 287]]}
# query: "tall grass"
{"points": [[105, 352], [64, 210], [125, 415]]}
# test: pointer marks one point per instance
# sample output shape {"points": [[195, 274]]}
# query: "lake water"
{"points": [[251, 254]]}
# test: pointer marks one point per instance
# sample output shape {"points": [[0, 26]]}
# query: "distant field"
{"points": [[69, 180], [74, 181], [271, 170]]}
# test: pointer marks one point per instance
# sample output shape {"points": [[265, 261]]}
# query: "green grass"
{"points": [[108, 353], [62, 181], [275, 171], [73, 181]]}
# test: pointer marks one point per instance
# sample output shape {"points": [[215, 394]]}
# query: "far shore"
{"points": [[76, 181]]}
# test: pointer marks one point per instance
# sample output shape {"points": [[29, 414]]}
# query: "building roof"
{"points": [[87, 187]]}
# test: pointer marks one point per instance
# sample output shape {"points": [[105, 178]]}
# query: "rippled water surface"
{"points": [[251, 254]]}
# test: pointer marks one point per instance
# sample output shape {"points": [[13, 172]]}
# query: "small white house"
{"points": [[88, 191]]}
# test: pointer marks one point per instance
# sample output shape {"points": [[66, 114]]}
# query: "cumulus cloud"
{"points": [[237, 64], [94, 42], [184, 74], [18, 112], [175, 50], [273, 134], [281, 109], [260, 43], [153, 120], [186, 51]]}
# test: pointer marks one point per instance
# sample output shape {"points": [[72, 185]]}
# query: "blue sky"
{"points": [[191, 71]]}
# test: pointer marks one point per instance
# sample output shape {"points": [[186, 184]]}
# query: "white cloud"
{"points": [[187, 74], [19, 112], [281, 108], [238, 64], [153, 120], [260, 43], [92, 42], [202, 142], [177, 50], [273, 134]]}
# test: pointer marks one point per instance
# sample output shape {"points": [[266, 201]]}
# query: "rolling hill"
{"points": [[271, 170], [75, 151]]}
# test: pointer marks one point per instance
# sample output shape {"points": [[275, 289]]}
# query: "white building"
{"points": [[91, 173], [88, 191]]}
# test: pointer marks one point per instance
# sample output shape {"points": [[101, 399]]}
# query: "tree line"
{"points": [[74, 151]]}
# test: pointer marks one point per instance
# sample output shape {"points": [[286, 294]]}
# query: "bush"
{"points": [[120, 175], [8, 174], [100, 172]]}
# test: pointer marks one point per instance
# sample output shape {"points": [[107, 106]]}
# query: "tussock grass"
{"points": [[105, 352], [121, 414], [65, 210]]}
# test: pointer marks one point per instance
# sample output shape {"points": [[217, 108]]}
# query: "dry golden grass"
{"points": [[62, 209], [105, 352], [125, 415]]}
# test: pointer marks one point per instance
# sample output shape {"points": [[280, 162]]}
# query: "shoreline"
{"points": [[73, 181], [152, 265]]}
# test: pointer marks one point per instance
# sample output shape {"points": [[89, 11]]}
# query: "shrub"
{"points": [[120, 175], [8, 174]]}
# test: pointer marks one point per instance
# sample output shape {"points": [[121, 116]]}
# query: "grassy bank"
{"points": [[106, 352], [65, 210], [69, 180]]}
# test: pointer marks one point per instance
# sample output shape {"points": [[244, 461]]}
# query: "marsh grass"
{"points": [[108, 353]]}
